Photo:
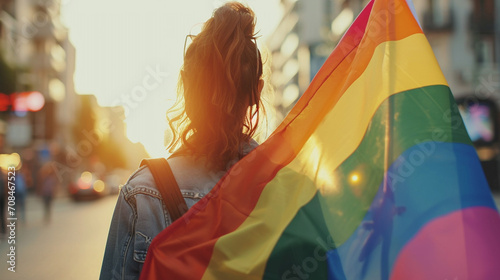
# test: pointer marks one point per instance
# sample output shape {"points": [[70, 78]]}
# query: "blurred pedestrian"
{"points": [[29, 168], [20, 194], [216, 115], [47, 188]]}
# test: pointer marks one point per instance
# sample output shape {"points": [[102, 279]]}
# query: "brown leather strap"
{"points": [[166, 184]]}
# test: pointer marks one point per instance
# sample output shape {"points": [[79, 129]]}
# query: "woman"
{"points": [[214, 120]]}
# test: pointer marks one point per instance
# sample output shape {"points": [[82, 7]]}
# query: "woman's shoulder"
{"points": [[189, 176], [140, 181], [141, 184], [192, 174]]}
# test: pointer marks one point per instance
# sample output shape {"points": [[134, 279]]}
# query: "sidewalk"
{"points": [[35, 211]]}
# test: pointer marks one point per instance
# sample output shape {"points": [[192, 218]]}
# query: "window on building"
{"points": [[483, 17], [438, 16]]}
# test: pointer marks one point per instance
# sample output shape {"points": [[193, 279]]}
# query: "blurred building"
{"points": [[112, 121], [305, 37], [101, 138], [464, 34], [35, 43], [7, 30]]}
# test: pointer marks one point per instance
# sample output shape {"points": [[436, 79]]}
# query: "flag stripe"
{"points": [[345, 51], [351, 57], [436, 253], [271, 156], [317, 159], [306, 239], [344, 126], [405, 207], [346, 206]]}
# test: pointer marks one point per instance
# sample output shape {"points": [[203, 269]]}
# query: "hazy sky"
{"points": [[129, 52]]}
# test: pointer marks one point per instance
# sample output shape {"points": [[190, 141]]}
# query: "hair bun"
{"points": [[237, 14]]}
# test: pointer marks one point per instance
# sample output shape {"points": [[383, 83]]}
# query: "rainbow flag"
{"points": [[371, 176]]}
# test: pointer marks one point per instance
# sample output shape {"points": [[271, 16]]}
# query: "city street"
{"points": [[70, 247]]}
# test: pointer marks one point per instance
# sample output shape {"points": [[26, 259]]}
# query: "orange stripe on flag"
{"points": [[184, 249]]}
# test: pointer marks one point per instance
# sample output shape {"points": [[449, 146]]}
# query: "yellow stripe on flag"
{"points": [[393, 68]]}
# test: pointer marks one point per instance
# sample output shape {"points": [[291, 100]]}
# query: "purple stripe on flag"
{"points": [[460, 245]]}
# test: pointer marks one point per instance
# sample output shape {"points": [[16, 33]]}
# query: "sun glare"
{"points": [[354, 178], [129, 54]]}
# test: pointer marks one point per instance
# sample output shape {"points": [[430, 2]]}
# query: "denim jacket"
{"points": [[140, 214]]}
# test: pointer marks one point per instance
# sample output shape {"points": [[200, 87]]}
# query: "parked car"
{"points": [[88, 185]]}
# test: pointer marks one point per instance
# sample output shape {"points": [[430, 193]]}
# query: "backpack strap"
{"points": [[166, 184]]}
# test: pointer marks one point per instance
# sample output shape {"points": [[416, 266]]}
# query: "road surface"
{"points": [[71, 246]]}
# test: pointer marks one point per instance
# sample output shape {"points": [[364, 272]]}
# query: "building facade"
{"points": [[36, 45]]}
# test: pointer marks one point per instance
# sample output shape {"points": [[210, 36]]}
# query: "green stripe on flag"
{"points": [[419, 116]]}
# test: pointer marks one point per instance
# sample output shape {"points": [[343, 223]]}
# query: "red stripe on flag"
{"points": [[184, 249]]}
